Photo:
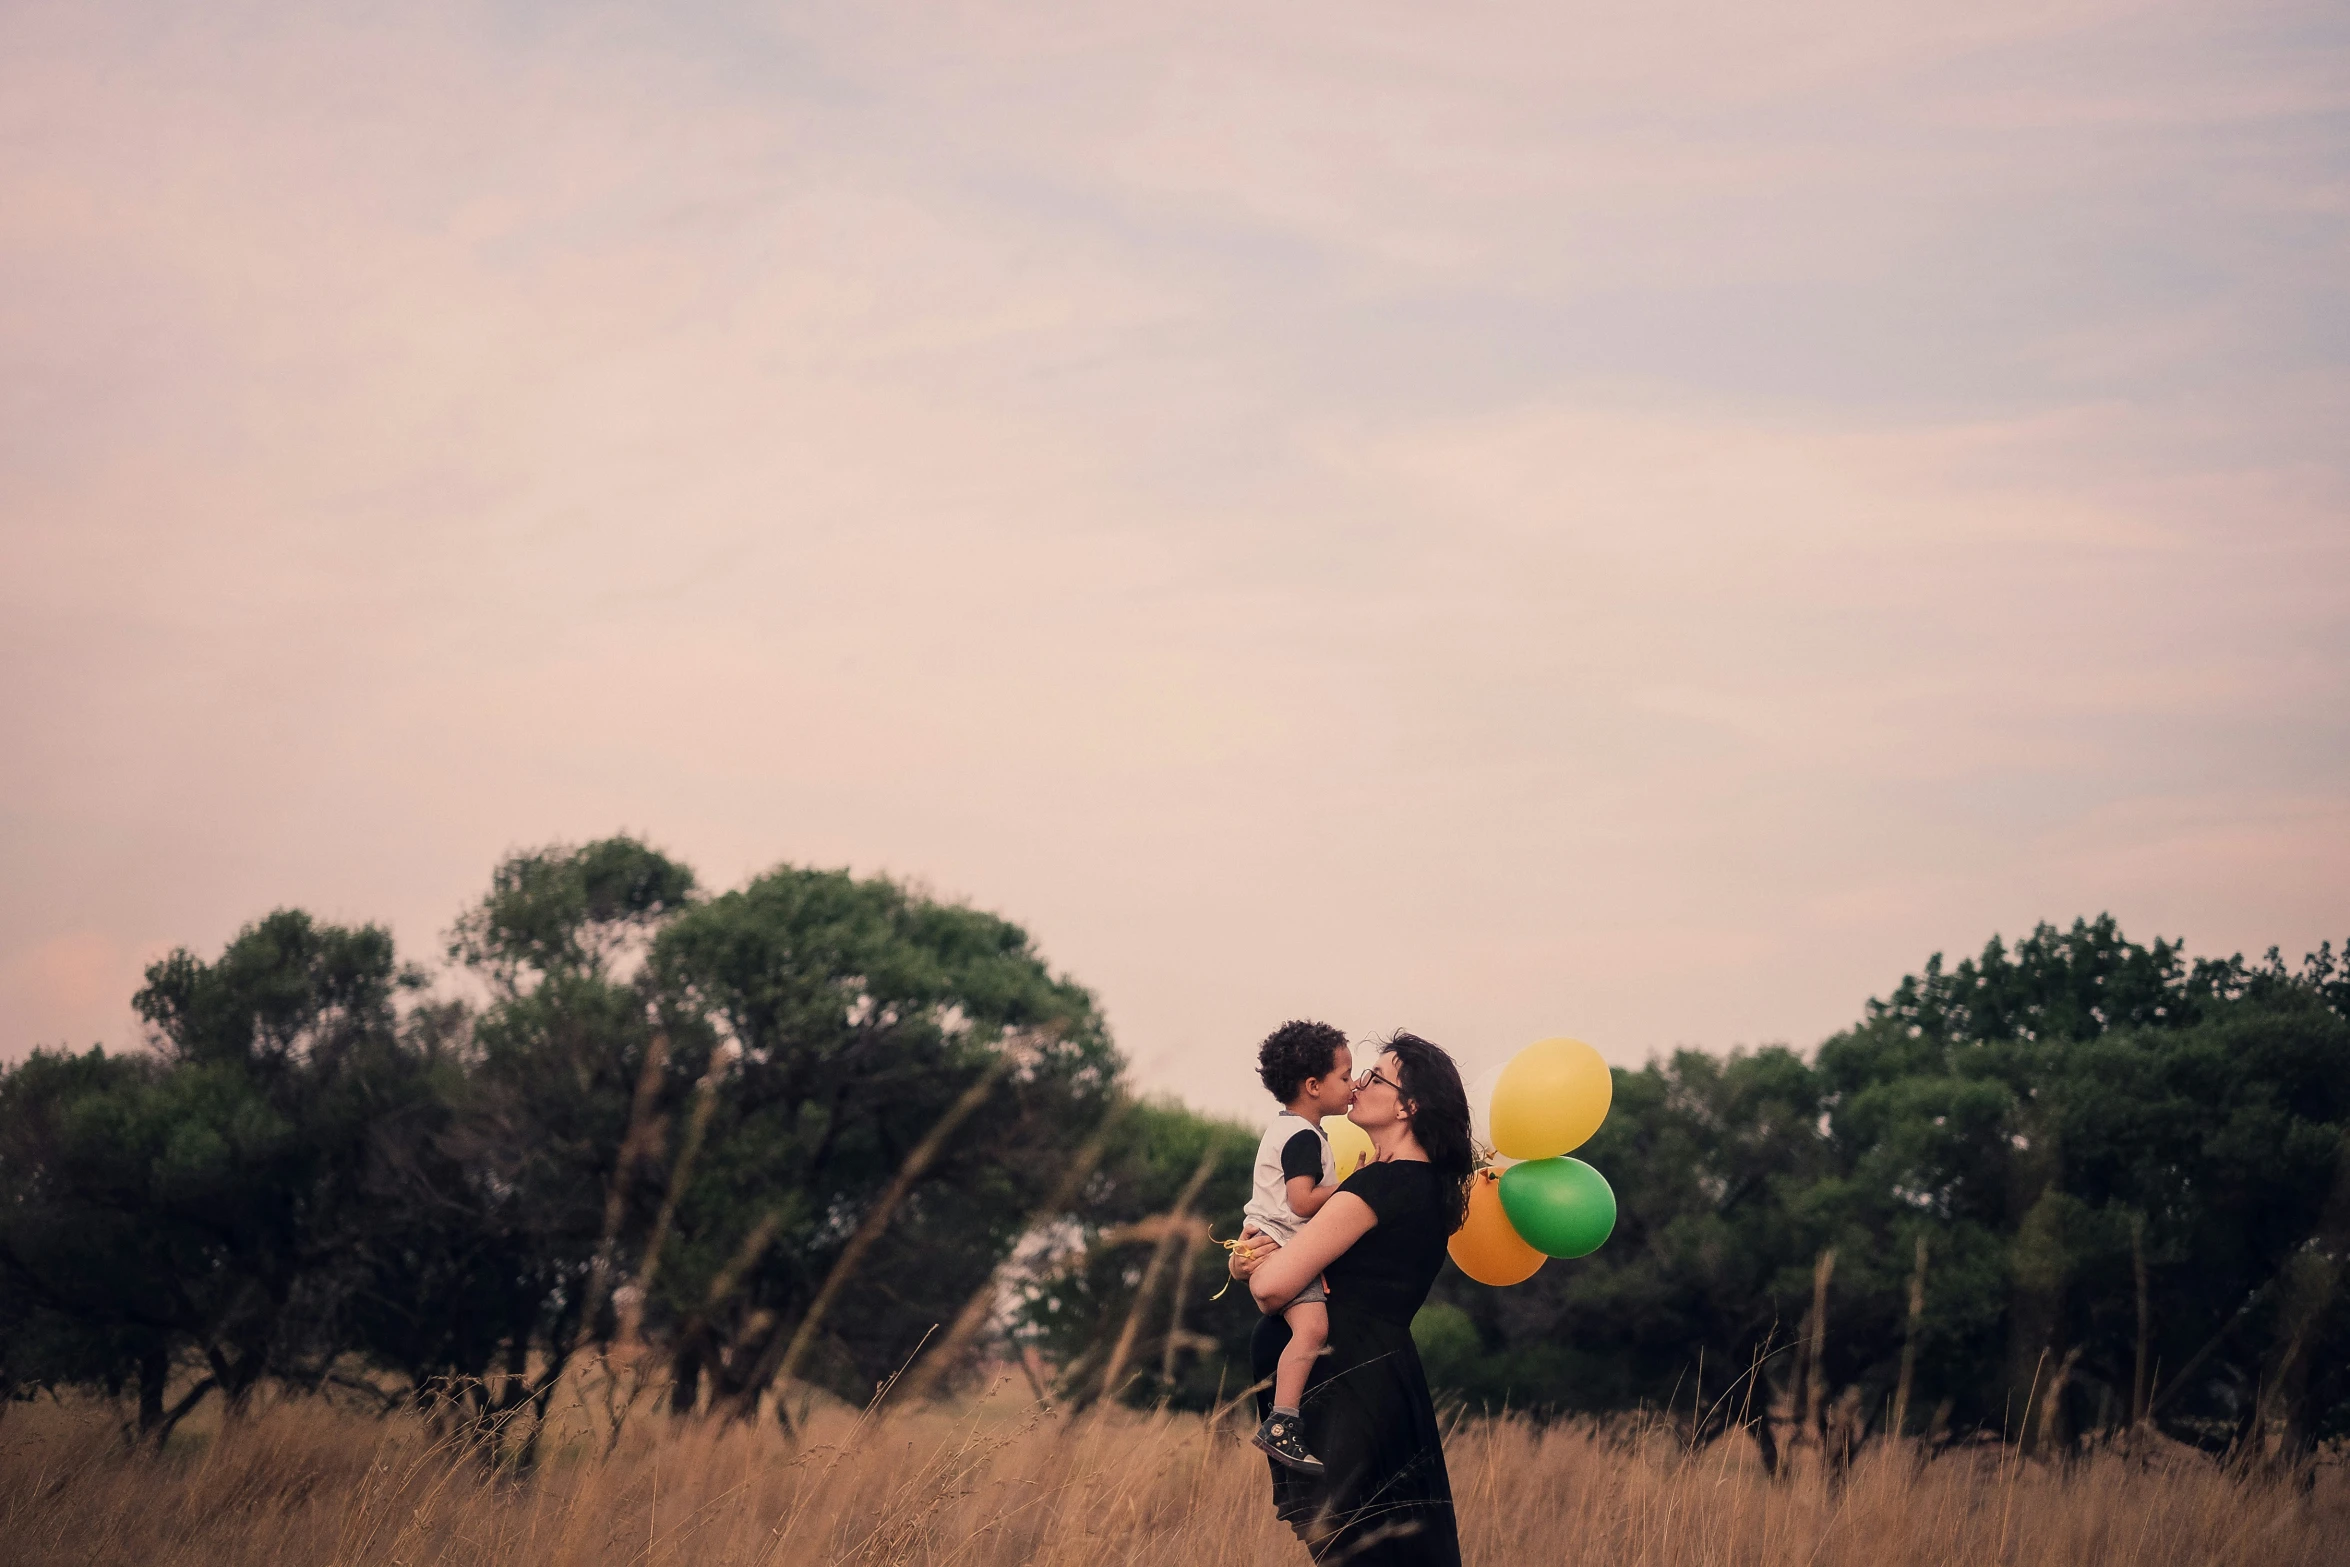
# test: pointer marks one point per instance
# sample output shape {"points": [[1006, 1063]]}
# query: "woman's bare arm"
{"points": [[1276, 1280]]}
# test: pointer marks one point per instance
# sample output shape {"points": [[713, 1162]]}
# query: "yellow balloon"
{"points": [[1350, 1145], [1486, 1248], [1551, 1098]]}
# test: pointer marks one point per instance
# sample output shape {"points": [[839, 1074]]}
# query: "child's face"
{"points": [[1334, 1091]]}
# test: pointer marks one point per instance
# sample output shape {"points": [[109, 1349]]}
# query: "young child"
{"points": [[1308, 1067]]}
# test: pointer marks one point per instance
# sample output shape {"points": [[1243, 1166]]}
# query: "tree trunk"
{"points": [[1909, 1343], [2311, 1280], [2040, 1264], [1815, 1379], [157, 1420], [2054, 1430], [154, 1373], [685, 1369], [1840, 1434], [1766, 1443], [2138, 1388]]}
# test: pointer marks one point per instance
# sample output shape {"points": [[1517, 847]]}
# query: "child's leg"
{"points": [[1309, 1330], [1279, 1436]]}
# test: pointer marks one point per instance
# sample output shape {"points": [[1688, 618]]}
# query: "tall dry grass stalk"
{"points": [[999, 1483]]}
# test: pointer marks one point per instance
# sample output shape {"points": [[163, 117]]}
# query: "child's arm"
{"points": [[1301, 1173], [1306, 1195]]}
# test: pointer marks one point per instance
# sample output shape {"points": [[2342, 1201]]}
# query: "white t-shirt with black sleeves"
{"points": [[1292, 1146]]}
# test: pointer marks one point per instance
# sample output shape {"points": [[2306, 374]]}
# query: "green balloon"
{"points": [[1560, 1207]]}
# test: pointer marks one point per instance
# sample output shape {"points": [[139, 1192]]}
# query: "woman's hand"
{"points": [[1255, 1246]]}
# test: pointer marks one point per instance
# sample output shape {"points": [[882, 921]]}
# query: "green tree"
{"points": [[86, 1290], [550, 1164], [893, 1085], [213, 1197], [2060, 1117]]}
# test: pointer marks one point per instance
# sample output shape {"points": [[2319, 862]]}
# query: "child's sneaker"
{"points": [[1279, 1437]]}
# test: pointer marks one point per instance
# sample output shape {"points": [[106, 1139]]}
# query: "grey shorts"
{"points": [[1312, 1295]]}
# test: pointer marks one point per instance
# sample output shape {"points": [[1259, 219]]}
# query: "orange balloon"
{"points": [[1486, 1248]]}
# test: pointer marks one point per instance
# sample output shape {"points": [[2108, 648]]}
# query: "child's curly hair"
{"points": [[1294, 1052]]}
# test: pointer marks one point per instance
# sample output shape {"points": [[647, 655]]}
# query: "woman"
{"points": [[1383, 1499]]}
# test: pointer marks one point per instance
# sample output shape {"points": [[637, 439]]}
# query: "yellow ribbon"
{"points": [[1247, 1253]]}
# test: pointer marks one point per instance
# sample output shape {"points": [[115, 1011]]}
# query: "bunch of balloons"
{"points": [[1531, 1202]]}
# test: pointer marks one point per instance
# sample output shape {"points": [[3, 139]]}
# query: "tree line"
{"points": [[2077, 1186], [772, 1137], [822, 1132]]}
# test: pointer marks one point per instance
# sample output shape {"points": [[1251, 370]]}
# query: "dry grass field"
{"points": [[304, 1483]]}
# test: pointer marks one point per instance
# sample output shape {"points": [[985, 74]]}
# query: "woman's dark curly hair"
{"points": [[1294, 1052], [1440, 1115]]}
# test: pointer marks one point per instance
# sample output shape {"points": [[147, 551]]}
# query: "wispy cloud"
{"points": [[1638, 523]]}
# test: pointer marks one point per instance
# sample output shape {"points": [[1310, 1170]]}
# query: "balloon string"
{"points": [[1248, 1254]]}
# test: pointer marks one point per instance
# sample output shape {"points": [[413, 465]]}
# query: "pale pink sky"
{"points": [[1632, 521]]}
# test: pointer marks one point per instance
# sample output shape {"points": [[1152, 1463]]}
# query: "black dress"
{"points": [[1384, 1499]]}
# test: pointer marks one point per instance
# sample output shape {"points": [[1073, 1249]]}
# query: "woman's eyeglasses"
{"points": [[1371, 1074]]}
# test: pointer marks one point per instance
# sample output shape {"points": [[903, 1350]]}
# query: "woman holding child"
{"points": [[1358, 1461]]}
